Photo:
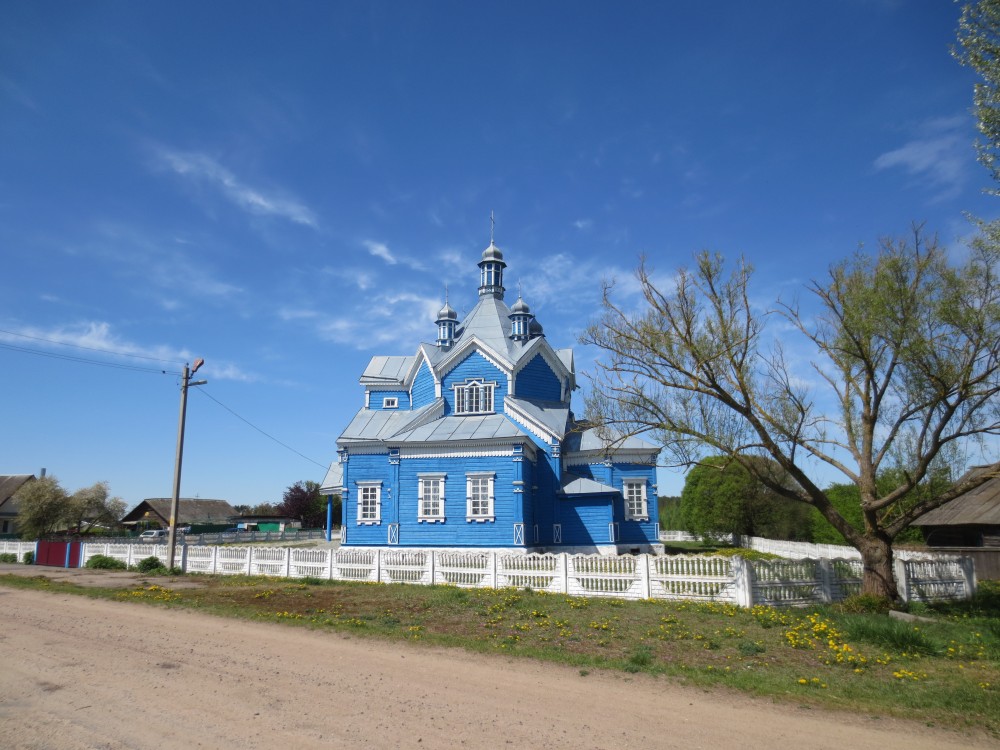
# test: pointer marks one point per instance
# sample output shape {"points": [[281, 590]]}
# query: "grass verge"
{"points": [[945, 672]]}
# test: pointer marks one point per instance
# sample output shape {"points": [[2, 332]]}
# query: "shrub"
{"points": [[103, 562], [151, 565], [29, 557], [864, 604], [8, 557]]}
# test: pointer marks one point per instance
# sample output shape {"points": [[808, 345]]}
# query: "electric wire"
{"points": [[84, 360], [91, 348], [204, 392]]}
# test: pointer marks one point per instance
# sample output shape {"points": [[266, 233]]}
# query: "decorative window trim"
{"points": [[432, 481], [475, 512], [475, 396], [636, 503], [390, 402], [373, 491]]}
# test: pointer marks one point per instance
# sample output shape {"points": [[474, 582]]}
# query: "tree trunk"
{"points": [[877, 576]]}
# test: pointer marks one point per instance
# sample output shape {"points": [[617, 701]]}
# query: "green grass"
{"points": [[946, 672]]}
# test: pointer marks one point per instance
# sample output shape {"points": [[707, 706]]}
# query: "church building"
{"points": [[471, 443]]}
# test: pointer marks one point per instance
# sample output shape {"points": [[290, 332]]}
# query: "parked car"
{"points": [[154, 535]]}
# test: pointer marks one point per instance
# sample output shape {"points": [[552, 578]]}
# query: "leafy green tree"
{"points": [[979, 40], [264, 509], [93, 506], [720, 496], [907, 365], [302, 501], [670, 512], [41, 507]]}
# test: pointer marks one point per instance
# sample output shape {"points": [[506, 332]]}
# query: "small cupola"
{"points": [[520, 320], [491, 272], [447, 320]]}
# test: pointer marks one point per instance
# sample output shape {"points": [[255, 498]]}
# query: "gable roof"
{"points": [[189, 510], [980, 506], [9, 485]]}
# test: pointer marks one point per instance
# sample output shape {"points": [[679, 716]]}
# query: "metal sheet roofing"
{"points": [[386, 370], [554, 415], [489, 426], [577, 485], [589, 440]]}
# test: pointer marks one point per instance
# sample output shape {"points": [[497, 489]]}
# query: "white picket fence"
{"points": [[681, 577]]}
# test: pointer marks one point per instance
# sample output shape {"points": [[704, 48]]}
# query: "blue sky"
{"points": [[286, 189]]}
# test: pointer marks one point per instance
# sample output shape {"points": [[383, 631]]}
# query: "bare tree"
{"points": [[907, 371]]}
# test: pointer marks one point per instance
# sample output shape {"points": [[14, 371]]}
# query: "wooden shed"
{"points": [[970, 520]]}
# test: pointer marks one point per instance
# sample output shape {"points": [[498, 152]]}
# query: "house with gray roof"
{"points": [[472, 442], [9, 485]]}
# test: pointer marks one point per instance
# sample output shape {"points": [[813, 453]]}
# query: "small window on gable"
{"points": [[390, 402], [474, 396], [634, 492]]}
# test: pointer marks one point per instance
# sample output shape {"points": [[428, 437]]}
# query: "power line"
{"points": [[262, 432], [84, 360], [91, 348]]}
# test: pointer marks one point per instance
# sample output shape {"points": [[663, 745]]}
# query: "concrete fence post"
{"points": [[902, 575], [969, 571], [824, 567], [743, 581], [647, 589]]}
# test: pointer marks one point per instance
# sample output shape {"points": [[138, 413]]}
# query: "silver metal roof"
{"points": [[334, 480], [386, 370], [589, 440], [577, 485], [554, 415], [450, 429]]}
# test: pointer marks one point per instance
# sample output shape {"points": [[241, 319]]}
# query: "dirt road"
{"points": [[81, 673]]}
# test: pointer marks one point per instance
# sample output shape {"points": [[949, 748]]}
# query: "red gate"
{"points": [[58, 554]]}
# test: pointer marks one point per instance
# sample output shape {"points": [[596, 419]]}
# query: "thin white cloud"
{"points": [[380, 250], [397, 321], [205, 169], [939, 155], [583, 224], [93, 335]]}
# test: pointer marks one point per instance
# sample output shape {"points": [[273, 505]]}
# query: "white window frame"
{"points": [[390, 402], [432, 482], [636, 503], [476, 479], [373, 491], [484, 392]]}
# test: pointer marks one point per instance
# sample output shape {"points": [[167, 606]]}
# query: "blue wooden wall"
{"points": [[537, 380], [422, 390]]}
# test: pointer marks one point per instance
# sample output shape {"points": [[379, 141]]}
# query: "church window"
{"points": [[390, 403], [479, 496], [369, 502], [634, 492], [474, 397], [430, 497]]}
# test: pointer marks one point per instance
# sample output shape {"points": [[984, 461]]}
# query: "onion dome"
{"points": [[447, 313]]}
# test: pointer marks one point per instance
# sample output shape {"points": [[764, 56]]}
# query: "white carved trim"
{"points": [[514, 412]]}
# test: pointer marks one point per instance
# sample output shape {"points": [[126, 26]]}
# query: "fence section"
{"points": [[732, 580]]}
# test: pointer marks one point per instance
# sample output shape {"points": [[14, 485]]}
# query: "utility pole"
{"points": [[175, 500]]}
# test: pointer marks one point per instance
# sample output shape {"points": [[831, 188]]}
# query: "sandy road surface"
{"points": [[80, 673]]}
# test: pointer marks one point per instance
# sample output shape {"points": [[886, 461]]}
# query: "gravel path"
{"points": [[82, 673]]}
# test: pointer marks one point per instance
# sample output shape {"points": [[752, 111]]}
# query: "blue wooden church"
{"points": [[471, 443]]}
